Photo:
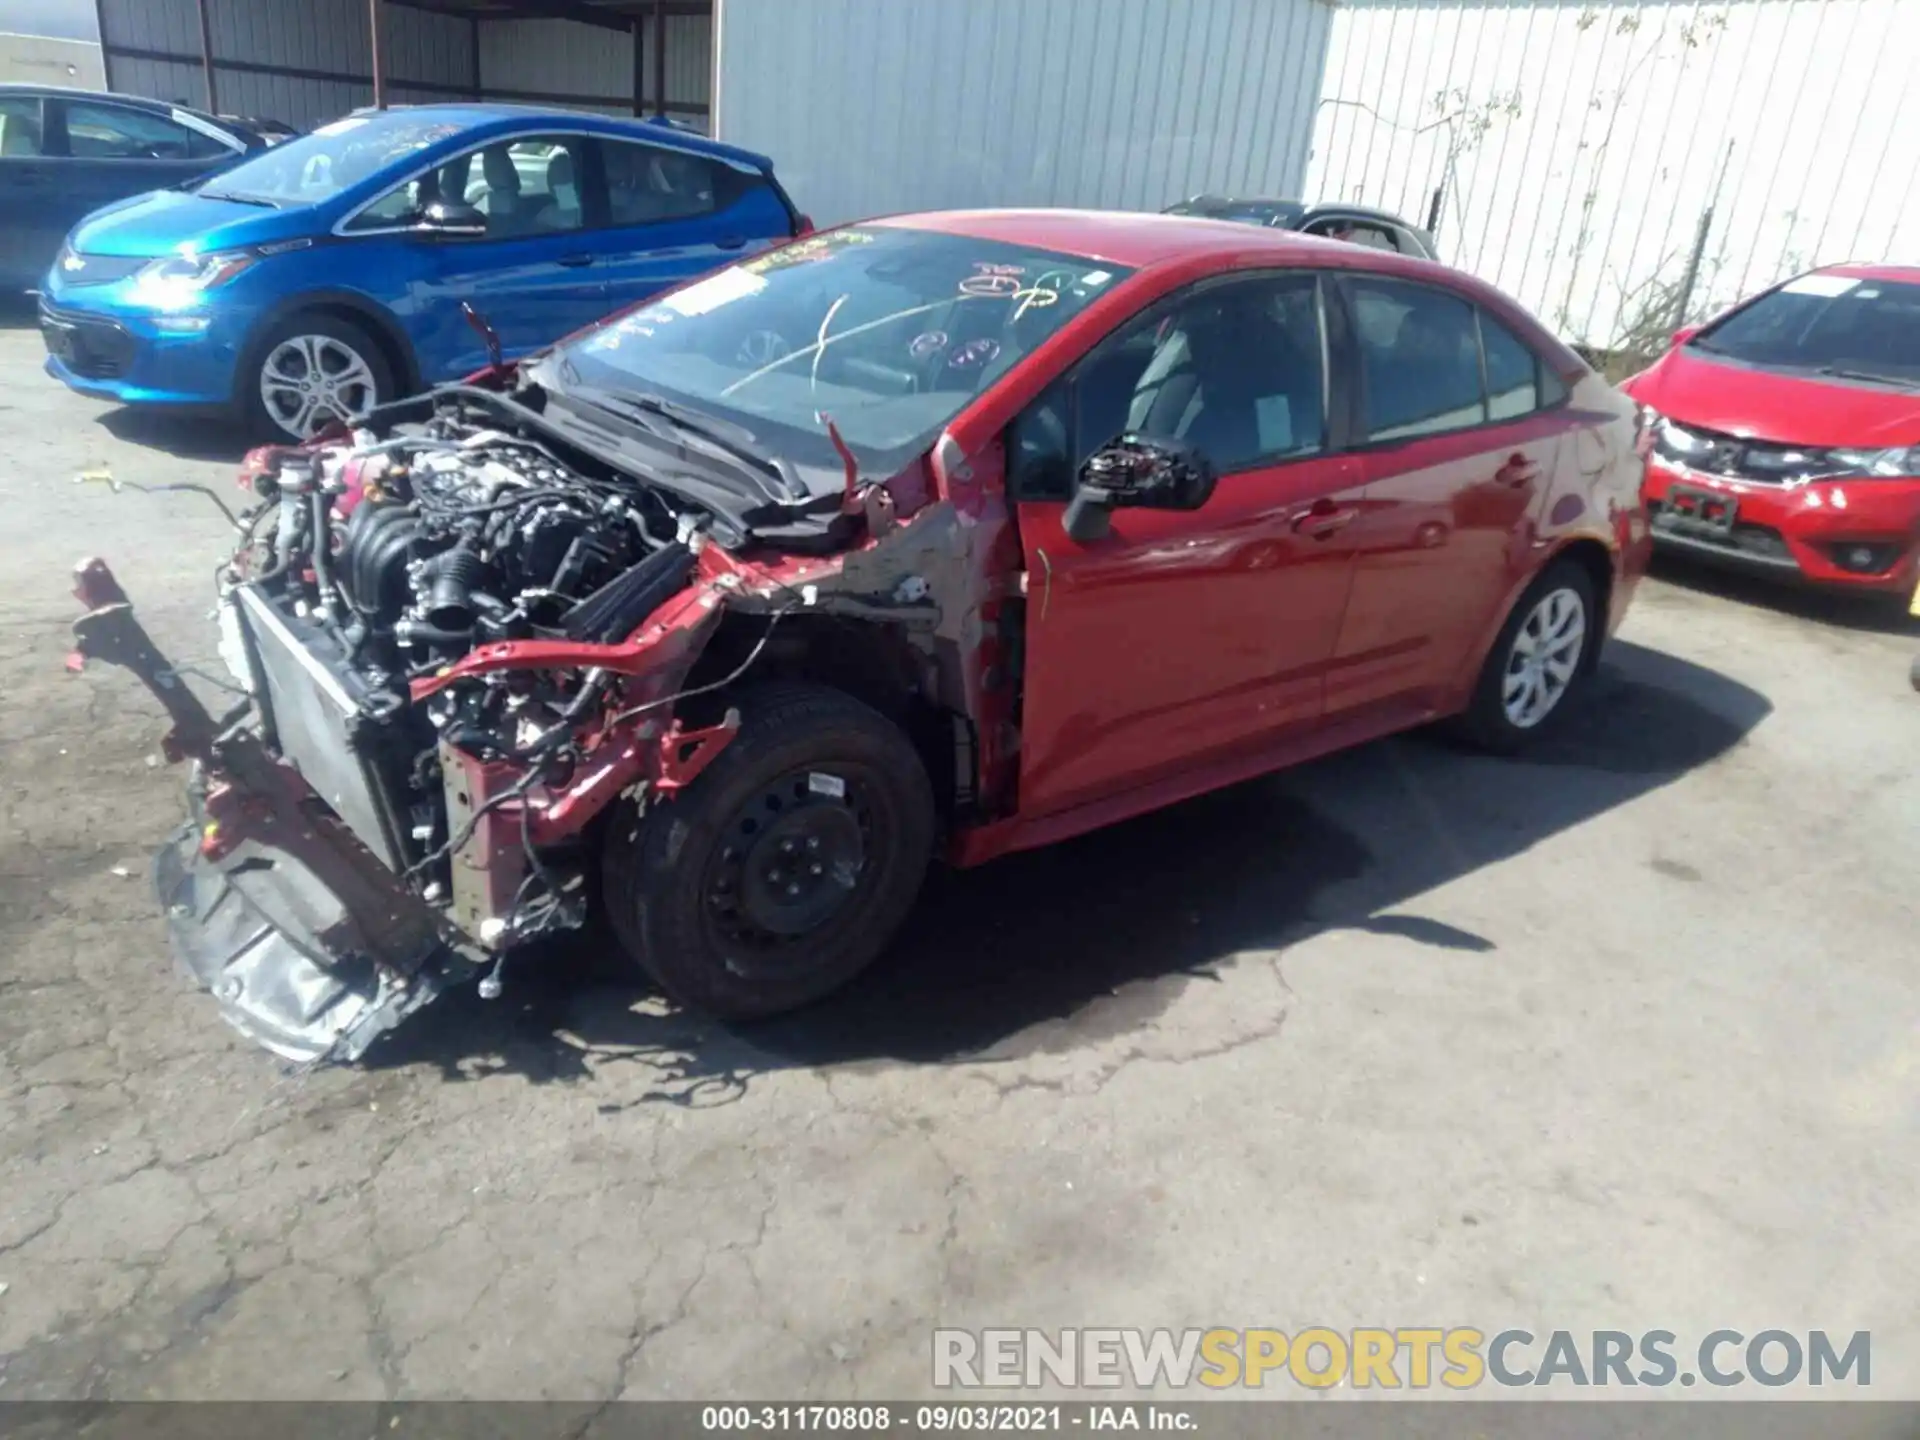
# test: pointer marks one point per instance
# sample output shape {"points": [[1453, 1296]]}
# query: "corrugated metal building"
{"points": [[1618, 165], [309, 61], [885, 105]]}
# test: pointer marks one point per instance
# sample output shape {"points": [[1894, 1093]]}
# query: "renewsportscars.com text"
{"points": [[1418, 1358]]}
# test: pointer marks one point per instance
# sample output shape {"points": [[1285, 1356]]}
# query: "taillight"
{"points": [[803, 226]]}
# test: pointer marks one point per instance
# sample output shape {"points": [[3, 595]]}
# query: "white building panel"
{"points": [[1577, 145], [872, 106]]}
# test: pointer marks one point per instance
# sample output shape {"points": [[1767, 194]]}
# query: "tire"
{"points": [[1504, 719], [758, 889], [353, 376]]}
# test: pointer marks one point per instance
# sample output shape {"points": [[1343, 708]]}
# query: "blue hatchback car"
{"points": [[327, 275]]}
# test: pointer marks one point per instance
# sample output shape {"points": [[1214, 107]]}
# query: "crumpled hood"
{"points": [[161, 221], [1692, 388]]}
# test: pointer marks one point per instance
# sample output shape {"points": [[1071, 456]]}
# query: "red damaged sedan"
{"points": [[1786, 434], [948, 534]]}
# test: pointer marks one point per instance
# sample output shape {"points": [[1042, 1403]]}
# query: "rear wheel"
{"points": [[785, 868], [311, 370], [1537, 665]]}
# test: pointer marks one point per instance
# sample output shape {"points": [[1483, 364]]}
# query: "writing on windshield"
{"points": [[887, 331]]}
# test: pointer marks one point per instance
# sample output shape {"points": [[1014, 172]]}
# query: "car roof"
{"points": [[1132, 238], [476, 115], [75, 92], [1864, 271]]}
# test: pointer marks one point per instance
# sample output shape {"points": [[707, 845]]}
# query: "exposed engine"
{"points": [[383, 561], [436, 543]]}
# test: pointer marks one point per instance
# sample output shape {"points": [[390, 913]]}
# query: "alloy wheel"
{"points": [[308, 381], [1544, 657]]}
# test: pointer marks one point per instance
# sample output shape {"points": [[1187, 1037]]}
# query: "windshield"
{"points": [[1835, 324], [890, 332], [319, 166]]}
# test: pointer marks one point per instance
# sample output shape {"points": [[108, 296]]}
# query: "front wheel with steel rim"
{"points": [[784, 869], [1538, 662], [314, 370]]}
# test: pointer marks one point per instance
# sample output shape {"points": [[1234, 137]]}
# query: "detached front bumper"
{"points": [[277, 950], [1853, 534], [309, 943]]}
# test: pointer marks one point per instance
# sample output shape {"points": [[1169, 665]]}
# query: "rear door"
{"points": [[672, 214], [1460, 427], [113, 151], [1181, 638], [30, 224]]}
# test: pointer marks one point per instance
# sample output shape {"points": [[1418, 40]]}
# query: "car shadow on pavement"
{"points": [[1880, 614], [1009, 959], [185, 437]]}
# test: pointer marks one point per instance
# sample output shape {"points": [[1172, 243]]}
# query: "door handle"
{"points": [[731, 242], [1322, 519], [1518, 471], [575, 262]]}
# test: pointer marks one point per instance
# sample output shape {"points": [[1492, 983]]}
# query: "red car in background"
{"points": [[1785, 435]]}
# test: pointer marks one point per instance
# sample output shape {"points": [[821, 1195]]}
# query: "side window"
{"points": [[115, 132], [1374, 237], [21, 134], [521, 187], [1513, 374], [1419, 359], [524, 187], [1234, 369], [650, 183], [205, 147]]}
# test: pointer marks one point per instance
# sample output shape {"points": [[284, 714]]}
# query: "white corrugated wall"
{"points": [[1580, 141], [872, 106]]}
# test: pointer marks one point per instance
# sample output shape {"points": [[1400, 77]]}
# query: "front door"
{"points": [[1181, 638], [114, 151], [535, 275], [30, 215], [1458, 443]]}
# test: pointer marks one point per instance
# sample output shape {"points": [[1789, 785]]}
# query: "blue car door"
{"points": [[672, 214], [535, 274], [111, 151]]}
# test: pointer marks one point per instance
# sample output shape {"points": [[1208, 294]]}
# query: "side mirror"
{"points": [[1139, 472], [451, 218], [1684, 334]]}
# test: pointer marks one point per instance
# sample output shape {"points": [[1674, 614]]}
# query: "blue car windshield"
{"points": [[888, 331], [319, 166]]}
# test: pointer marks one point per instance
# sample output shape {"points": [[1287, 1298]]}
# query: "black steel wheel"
{"points": [[786, 867]]}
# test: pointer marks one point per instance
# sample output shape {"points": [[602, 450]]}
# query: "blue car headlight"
{"points": [[176, 282]]}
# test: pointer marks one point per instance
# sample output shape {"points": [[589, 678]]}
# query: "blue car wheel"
{"points": [[311, 369]]}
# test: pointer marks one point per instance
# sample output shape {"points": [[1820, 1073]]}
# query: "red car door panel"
{"points": [[1458, 457], [1435, 547], [1180, 636]]}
